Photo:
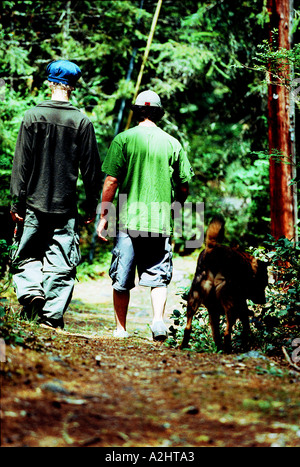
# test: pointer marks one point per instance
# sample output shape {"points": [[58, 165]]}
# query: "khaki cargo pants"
{"points": [[44, 261]]}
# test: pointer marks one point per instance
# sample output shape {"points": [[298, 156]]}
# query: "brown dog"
{"points": [[225, 278]]}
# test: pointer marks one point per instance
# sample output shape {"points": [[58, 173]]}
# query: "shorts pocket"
{"points": [[169, 263], [75, 255], [114, 263]]}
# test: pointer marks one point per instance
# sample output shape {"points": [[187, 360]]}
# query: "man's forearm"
{"points": [[108, 194]]}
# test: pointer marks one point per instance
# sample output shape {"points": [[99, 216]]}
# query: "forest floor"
{"points": [[82, 387]]}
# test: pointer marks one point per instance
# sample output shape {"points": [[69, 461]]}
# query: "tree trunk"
{"points": [[281, 129]]}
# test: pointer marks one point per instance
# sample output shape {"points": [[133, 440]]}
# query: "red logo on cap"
{"points": [[147, 103]]}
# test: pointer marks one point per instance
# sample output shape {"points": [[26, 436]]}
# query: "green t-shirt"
{"points": [[149, 165]]}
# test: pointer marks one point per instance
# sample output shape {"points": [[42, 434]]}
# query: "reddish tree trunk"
{"points": [[282, 196]]}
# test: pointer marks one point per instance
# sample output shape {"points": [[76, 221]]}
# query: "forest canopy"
{"points": [[207, 62]]}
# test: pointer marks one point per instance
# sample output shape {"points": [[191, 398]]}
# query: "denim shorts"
{"points": [[150, 256]]}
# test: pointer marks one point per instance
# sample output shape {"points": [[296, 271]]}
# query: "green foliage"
{"points": [[5, 250], [284, 290], [9, 330], [12, 110], [15, 331], [99, 267], [202, 64], [201, 339], [276, 60]]}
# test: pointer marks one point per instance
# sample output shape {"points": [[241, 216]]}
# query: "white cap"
{"points": [[148, 98]]}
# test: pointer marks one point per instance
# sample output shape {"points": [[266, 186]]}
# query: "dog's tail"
{"points": [[215, 232]]}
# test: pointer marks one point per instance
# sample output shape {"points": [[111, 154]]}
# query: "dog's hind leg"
{"points": [[214, 320], [216, 308], [244, 317], [227, 336], [200, 290], [231, 317]]}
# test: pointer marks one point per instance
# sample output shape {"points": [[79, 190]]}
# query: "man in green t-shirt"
{"points": [[151, 171]]}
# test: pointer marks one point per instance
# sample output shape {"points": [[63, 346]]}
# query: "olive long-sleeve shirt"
{"points": [[55, 141]]}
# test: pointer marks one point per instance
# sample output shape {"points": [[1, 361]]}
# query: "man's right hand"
{"points": [[16, 218], [101, 228]]}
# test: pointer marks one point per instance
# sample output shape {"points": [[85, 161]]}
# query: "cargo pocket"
{"points": [[169, 264], [75, 255], [114, 264]]}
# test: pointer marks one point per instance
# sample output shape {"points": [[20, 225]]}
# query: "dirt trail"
{"points": [[84, 388], [98, 294]]}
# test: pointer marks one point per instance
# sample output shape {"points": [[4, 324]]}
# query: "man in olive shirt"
{"points": [[55, 140], [151, 171]]}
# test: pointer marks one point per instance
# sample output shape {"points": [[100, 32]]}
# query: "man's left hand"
{"points": [[16, 218], [89, 218]]}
